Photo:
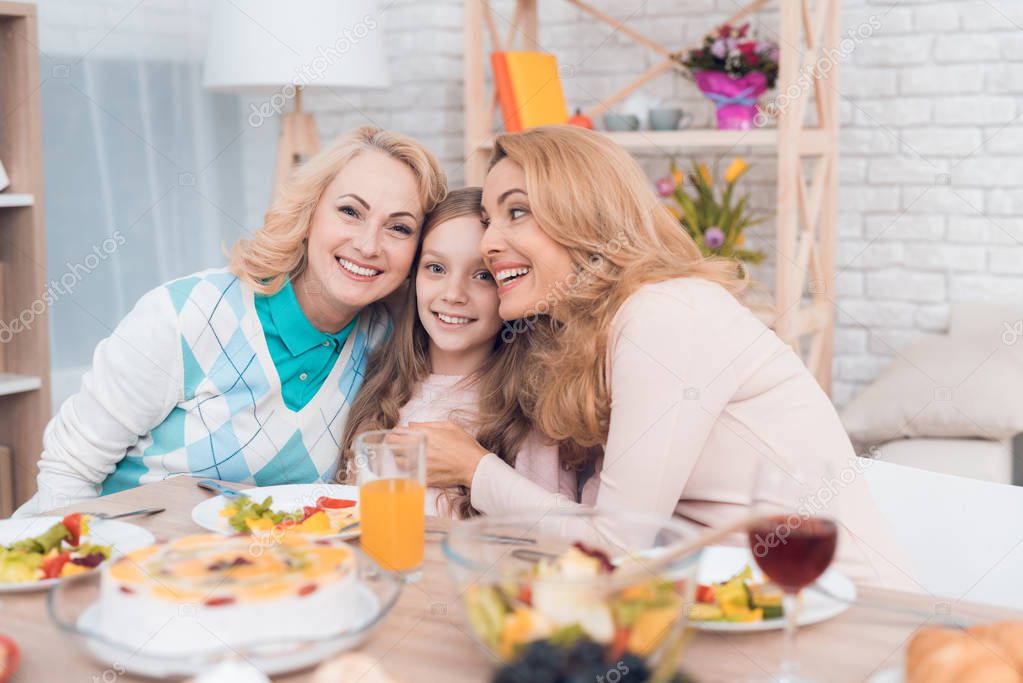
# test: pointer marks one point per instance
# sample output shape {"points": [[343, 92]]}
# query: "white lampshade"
{"points": [[257, 46]]}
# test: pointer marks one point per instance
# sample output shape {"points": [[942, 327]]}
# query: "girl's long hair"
{"points": [[396, 368], [277, 250], [593, 199]]}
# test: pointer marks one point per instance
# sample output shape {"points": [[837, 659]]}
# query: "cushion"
{"points": [[956, 386]]}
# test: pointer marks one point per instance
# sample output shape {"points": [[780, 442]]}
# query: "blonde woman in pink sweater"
{"points": [[652, 358], [446, 360]]}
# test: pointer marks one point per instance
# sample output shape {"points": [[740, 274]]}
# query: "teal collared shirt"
{"points": [[302, 355]]}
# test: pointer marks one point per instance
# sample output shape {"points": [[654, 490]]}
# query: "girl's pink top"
{"points": [[701, 391], [445, 397]]}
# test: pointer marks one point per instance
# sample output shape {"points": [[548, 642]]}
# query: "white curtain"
{"points": [[143, 169]]}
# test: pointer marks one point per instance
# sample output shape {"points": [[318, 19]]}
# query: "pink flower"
{"points": [[718, 49], [748, 51], [713, 238], [665, 186]]}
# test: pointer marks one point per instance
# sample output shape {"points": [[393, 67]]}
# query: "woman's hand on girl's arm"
{"points": [[452, 454]]}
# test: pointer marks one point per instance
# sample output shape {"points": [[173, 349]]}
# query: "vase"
{"points": [[735, 99], [736, 117]]}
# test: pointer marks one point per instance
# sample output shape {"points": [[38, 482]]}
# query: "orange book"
{"points": [[528, 89], [505, 95]]}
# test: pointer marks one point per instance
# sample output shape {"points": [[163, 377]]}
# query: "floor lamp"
{"points": [[279, 50]]}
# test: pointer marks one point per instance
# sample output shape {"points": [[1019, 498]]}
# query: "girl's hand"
{"points": [[452, 454]]}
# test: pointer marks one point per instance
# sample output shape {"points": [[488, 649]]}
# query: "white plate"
{"points": [[893, 675], [123, 538], [287, 498], [269, 663], [719, 563]]}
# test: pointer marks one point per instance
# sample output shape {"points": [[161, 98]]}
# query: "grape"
{"points": [[544, 655]]}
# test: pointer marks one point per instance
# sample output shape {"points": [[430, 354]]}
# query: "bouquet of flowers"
{"points": [[733, 69], [716, 220]]}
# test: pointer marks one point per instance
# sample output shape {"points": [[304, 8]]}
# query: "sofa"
{"points": [[950, 403]]}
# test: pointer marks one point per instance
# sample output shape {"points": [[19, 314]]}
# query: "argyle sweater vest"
{"points": [[230, 421]]}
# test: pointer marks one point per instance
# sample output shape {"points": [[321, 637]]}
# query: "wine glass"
{"points": [[793, 540]]}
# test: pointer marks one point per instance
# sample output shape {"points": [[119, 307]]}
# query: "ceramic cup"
{"points": [[668, 119], [620, 122]]}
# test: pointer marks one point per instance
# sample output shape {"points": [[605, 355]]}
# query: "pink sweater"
{"points": [[444, 397], [700, 390]]}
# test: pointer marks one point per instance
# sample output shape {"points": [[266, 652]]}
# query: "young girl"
{"points": [[448, 360]]}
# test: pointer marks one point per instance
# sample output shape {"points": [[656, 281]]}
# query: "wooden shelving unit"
{"points": [[24, 348], [802, 312], [8, 199]]}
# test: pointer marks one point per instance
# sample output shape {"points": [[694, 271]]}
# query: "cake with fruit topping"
{"points": [[207, 592]]}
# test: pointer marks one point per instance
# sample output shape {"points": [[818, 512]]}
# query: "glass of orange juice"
{"points": [[390, 467]]}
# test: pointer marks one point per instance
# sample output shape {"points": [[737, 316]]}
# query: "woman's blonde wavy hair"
{"points": [[397, 367], [592, 198], [277, 251]]}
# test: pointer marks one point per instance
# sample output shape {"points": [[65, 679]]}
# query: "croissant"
{"points": [[992, 653], [1008, 634]]}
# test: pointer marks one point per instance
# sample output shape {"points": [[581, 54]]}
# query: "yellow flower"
{"points": [[735, 170], [740, 240], [676, 174], [705, 174]]}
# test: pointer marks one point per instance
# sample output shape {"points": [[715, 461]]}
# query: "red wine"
{"points": [[793, 555]]}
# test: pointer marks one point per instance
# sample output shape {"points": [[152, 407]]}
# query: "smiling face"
{"points": [[456, 297], [526, 262], [362, 239]]}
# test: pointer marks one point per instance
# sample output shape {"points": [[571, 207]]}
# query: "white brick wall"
{"points": [[930, 205], [935, 93]]}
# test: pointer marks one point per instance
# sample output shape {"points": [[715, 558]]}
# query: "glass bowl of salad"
{"points": [[573, 592]]}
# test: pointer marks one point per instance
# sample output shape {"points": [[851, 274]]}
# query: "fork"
{"points": [[216, 487], [131, 513]]}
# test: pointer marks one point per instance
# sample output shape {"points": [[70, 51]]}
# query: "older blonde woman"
{"points": [[247, 373], [655, 362]]}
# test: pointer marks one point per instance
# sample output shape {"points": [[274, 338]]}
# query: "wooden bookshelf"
{"points": [[24, 348], [813, 141], [802, 312]]}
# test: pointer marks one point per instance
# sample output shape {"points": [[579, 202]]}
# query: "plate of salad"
{"points": [[328, 510], [38, 552], [732, 595]]}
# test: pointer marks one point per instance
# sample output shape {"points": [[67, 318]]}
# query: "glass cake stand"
{"points": [[75, 608]]}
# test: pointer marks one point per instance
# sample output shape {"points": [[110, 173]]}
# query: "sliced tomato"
{"points": [[73, 522], [309, 510], [335, 503], [526, 594], [51, 566], [705, 593], [620, 644], [216, 602], [10, 657]]}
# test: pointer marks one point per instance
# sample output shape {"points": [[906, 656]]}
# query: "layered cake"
{"points": [[207, 592]]}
